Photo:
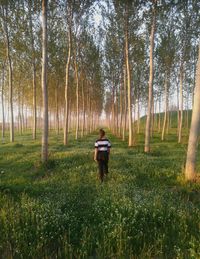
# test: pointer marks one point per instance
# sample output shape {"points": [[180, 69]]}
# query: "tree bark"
{"points": [[44, 83], [2, 105], [116, 113], [152, 118], [77, 98], [178, 119], [159, 116], [34, 74], [190, 173], [19, 112], [121, 110], [57, 110], [150, 100], [138, 113], [66, 119], [125, 106], [113, 106], [83, 107], [130, 137], [181, 104], [10, 71], [166, 109]]}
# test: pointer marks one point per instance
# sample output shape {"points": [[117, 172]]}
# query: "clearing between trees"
{"points": [[144, 209]]}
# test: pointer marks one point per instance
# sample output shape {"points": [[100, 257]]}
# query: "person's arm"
{"points": [[95, 151], [95, 154], [109, 147]]}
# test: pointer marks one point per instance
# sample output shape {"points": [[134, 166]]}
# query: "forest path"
{"points": [[20, 163]]}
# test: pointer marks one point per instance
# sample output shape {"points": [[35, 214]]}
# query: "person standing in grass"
{"points": [[102, 153]]}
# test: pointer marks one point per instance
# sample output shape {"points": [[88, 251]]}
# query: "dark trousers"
{"points": [[102, 158]]}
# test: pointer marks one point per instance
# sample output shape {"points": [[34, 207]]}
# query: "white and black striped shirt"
{"points": [[102, 144]]}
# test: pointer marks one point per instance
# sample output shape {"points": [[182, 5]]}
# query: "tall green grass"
{"points": [[144, 209]]}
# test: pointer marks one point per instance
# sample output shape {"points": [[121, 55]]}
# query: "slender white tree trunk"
{"points": [[19, 112], [33, 72], [190, 173], [34, 104], [178, 114], [2, 105], [150, 100], [11, 100], [22, 110], [44, 83], [10, 73], [152, 118], [113, 108], [57, 111], [90, 115], [83, 107], [130, 135], [181, 104], [166, 108], [159, 116], [77, 99], [121, 110], [125, 106], [66, 119], [138, 114]]}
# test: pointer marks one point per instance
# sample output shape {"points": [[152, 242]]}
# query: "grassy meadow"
{"points": [[144, 209]]}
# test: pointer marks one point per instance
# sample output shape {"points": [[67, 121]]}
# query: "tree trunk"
{"points": [[178, 114], [190, 173], [181, 104], [125, 106], [168, 118], [57, 110], [83, 107], [159, 116], [44, 83], [90, 121], [10, 71], [150, 100], [152, 119], [116, 114], [19, 113], [166, 109], [130, 137], [66, 119], [77, 99], [113, 108], [34, 73], [138, 114], [155, 114], [2, 105], [34, 103], [26, 118], [87, 114], [121, 110], [22, 110], [187, 111]]}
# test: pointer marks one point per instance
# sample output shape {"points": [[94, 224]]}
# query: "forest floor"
{"points": [[144, 209]]}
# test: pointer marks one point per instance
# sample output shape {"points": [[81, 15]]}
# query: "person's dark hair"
{"points": [[102, 133]]}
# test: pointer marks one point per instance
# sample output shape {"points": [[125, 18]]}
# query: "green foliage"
{"points": [[60, 210]]}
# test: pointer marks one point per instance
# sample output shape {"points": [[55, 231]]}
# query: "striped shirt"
{"points": [[102, 144]]}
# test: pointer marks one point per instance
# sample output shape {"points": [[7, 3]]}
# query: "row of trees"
{"points": [[142, 58], [161, 49], [70, 68]]}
